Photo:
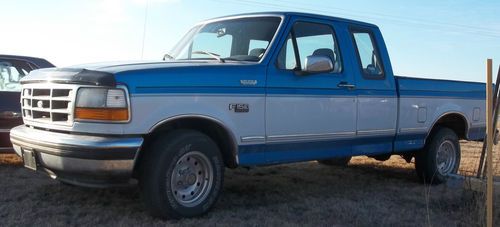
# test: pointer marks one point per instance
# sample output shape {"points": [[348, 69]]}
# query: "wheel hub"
{"points": [[446, 157], [192, 179]]}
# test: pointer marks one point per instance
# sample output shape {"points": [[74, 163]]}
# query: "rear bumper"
{"points": [[86, 160]]}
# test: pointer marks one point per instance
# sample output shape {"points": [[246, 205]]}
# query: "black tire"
{"points": [[336, 161], [188, 153], [429, 168]]}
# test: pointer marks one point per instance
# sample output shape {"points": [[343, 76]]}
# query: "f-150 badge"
{"points": [[239, 107]]}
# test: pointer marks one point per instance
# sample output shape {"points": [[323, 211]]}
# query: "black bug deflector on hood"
{"points": [[71, 76]]}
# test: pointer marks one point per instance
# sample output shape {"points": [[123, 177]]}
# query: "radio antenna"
{"points": [[144, 28]]}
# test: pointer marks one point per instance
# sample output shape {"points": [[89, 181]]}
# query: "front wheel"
{"points": [[182, 175], [439, 158]]}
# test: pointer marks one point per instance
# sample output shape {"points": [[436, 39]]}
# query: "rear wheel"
{"points": [[182, 175], [439, 158], [336, 161]]}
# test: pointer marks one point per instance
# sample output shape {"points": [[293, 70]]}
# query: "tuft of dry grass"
{"points": [[367, 193], [10, 159]]}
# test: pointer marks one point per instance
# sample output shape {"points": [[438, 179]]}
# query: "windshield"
{"points": [[244, 39]]}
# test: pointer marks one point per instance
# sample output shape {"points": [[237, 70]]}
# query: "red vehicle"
{"points": [[12, 69]]}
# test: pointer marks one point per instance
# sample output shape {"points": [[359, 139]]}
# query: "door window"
{"points": [[368, 56], [257, 48], [311, 39], [11, 72]]}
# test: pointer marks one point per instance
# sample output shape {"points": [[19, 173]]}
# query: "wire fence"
{"points": [[471, 153]]}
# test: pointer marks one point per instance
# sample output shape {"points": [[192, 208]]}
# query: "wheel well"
{"points": [[220, 135], [453, 121]]}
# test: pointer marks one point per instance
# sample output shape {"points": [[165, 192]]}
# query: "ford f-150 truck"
{"points": [[245, 90]]}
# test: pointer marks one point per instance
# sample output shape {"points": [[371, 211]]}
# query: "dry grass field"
{"points": [[367, 193]]}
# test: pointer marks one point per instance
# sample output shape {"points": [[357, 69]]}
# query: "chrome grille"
{"points": [[48, 103]]}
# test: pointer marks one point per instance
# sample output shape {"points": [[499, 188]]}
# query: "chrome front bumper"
{"points": [[86, 160]]}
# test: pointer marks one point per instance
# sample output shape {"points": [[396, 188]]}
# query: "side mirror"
{"points": [[318, 64], [372, 70]]}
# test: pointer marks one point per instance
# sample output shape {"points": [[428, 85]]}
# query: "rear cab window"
{"points": [[368, 55]]}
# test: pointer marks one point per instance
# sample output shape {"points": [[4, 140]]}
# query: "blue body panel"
{"points": [[408, 86], [194, 78]]}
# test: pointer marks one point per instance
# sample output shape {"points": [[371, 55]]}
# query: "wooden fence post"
{"points": [[489, 146]]}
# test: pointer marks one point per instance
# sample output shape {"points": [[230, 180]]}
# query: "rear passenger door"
{"points": [[308, 116], [377, 100]]}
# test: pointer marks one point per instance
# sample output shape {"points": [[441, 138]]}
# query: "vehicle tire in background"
{"points": [[439, 158], [336, 161], [181, 175]]}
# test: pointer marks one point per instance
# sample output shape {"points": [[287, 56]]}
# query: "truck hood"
{"points": [[112, 73], [100, 74], [120, 67], [70, 76]]}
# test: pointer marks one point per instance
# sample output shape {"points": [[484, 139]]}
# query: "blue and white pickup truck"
{"points": [[245, 90]]}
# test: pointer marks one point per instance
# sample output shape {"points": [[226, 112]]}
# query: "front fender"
{"points": [[151, 110]]}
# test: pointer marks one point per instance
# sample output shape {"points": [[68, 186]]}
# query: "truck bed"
{"points": [[423, 101]]}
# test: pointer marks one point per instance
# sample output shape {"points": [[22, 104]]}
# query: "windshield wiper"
{"points": [[167, 56], [216, 56]]}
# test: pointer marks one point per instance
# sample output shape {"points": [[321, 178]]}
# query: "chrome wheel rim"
{"points": [[192, 179], [446, 157]]}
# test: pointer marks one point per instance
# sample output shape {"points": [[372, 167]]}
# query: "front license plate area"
{"points": [[29, 159]]}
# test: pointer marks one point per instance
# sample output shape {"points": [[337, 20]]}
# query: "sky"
{"points": [[445, 39]]}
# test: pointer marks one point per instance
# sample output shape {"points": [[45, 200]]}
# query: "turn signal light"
{"points": [[101, 114]]}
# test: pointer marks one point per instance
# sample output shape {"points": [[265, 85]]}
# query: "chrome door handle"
{"points": [[344, 84]]}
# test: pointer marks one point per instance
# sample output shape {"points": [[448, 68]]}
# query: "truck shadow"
{"points": [[285, 183], [299, 186]]}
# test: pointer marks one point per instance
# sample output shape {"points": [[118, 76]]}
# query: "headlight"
{"points": [[101, 104]]}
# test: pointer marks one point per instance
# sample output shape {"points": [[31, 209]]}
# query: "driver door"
{"points": [[309, 116]]}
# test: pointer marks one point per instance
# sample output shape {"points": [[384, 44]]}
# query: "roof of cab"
{"points": [[40, 62], [288, 14]]}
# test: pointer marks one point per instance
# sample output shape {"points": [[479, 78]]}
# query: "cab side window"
{"points": [[11, 72], [368, 56], [308, 39], [257, 48], [286, 58]]}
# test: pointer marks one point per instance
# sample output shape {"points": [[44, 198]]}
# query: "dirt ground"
{"points": [[367, 193]]}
